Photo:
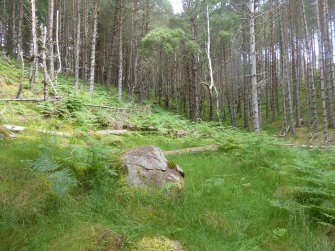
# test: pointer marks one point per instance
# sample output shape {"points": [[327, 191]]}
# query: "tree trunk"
{"points": [[20, 28], [50, 39], [44, 63], [85, 41], [296, 82], [322, 79], [34, 57], [58, 50], [310, 74], [287, 80], [94, 39], [212, 86], [328, 61], [120, 85], [195, 84], [14, 33], [111, 47], [77, 48], [294, 53], [20, 52], [254, 85]]}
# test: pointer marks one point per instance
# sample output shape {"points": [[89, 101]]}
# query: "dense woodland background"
{"points": [[251, 63]]}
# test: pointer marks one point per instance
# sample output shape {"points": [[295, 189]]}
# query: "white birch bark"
{"points": [[50, 39], [120, 52], [254, 95], [44, 63], [33, 65], [58, 51], [77, 49], [94, 38], [212, 86], [19, 36]]}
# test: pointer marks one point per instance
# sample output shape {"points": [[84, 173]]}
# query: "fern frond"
{"points": [[62, 181], [44, 163]]}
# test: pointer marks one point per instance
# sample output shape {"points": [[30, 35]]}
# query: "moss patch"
{"points": [[172, 165]]}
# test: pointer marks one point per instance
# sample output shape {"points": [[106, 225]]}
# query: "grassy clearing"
{"points": [[241, 199], [70, 194]]}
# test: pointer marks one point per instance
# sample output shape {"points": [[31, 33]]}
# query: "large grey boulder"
{"points": [[147, 167]]}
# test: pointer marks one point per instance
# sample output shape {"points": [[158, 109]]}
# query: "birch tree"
{"points": [[120, 51], [253, 64], [212, 88], [93, 44], [20, 32], [50, 39], [44, 62], [77, 47]]}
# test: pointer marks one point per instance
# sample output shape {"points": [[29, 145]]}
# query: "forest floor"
{"points": [[69, 193]]}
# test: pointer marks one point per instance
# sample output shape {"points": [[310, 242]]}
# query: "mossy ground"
{"points": [[61, 193]]}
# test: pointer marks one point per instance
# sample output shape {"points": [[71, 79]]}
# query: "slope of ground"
{"points": [[68, 193]]}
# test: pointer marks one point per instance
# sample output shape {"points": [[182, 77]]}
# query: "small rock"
{"points": [[158, 243], [112, 132]]}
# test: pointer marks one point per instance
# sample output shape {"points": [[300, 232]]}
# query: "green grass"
{"points": [[230, 201], [70, 193]]}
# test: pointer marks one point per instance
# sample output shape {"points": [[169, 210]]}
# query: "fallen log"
{"points": [[19, 129], [22, 100], [125, 109], [14, 128], [201, 149], [69, 134], [302, 146], [54, 133], [111, 132], [54, 99], [216, 147], [114, 108]]}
